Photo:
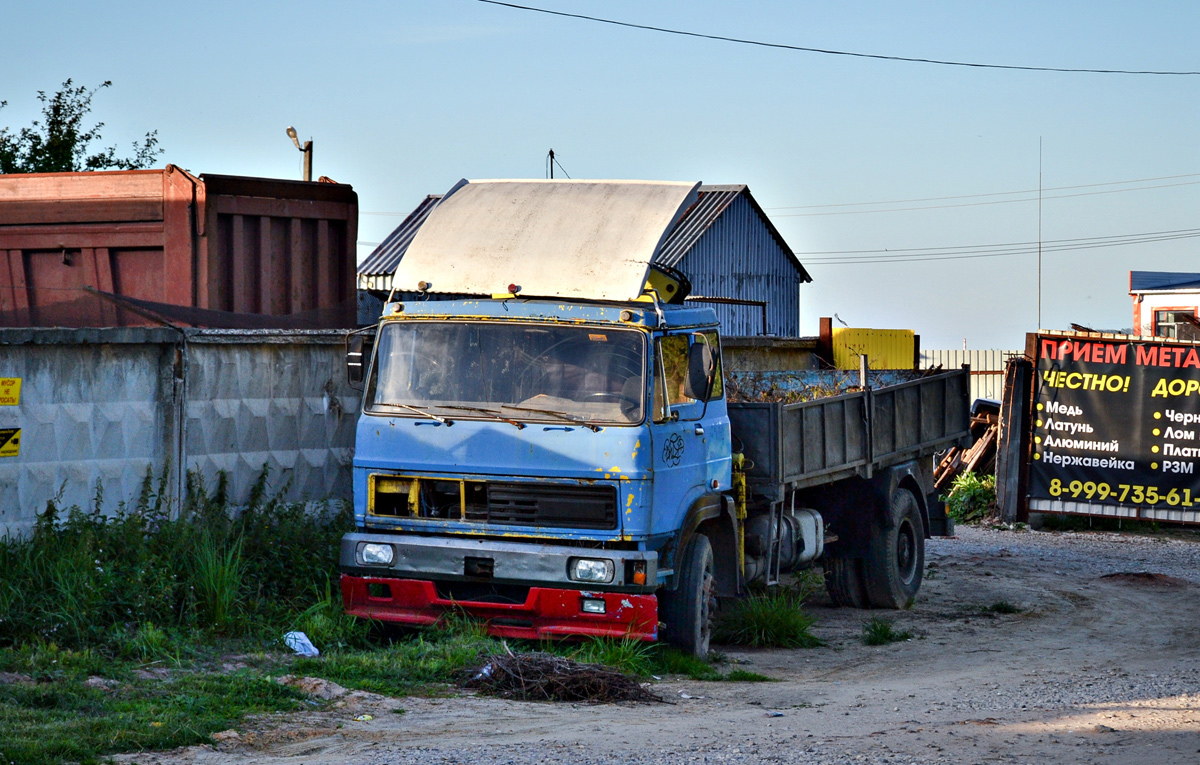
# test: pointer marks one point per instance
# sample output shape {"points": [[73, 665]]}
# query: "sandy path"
{"points": [[1094, 669]]}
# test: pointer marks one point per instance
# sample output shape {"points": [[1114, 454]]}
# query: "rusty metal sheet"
{"points": [[233, 244]]}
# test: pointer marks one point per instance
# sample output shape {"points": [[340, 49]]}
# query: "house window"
{"points": [[1181, 325]]}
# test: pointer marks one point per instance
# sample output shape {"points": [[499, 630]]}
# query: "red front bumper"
{"points": [[546, 612]]}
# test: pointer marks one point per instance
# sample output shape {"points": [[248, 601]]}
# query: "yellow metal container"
{"points": [[884, 348]]}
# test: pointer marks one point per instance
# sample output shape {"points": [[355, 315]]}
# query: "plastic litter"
{"points": [[300, 644], [363, 718]]}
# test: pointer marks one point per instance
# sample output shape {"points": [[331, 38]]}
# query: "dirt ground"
{"points": [[1094, 668]]}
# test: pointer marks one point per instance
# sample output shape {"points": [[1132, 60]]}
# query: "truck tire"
{"points": [[844, 582], [895, 559], [688, 611]]}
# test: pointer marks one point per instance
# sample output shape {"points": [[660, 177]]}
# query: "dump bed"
{"points": [[797, 445]]}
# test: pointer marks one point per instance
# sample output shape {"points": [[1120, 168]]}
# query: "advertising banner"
{"points": [[1115, 424]]}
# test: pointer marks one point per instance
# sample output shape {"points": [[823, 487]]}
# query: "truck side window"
{"points": [[671, 354], [718, 389]]}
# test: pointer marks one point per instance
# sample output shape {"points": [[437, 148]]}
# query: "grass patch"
{"points": [[879, 631], [66, 721], [55, 717], [428, 657], [767, 620], [1000, 607], [669, 661], [88, 594]]}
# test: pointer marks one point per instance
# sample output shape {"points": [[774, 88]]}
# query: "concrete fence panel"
{"points": [[100, 409]]}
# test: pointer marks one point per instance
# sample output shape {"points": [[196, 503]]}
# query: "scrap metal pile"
{"points": [[798, 386], [546, 677], [980, 456]]}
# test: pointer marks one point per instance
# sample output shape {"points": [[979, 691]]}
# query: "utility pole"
{"points": [[1039, 323], [306, 149], [552, 164]]}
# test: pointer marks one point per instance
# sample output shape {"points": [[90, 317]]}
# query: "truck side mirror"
{"points": [[358, 354], [701, 367]]}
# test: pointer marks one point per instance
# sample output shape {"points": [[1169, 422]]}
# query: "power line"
{"points": [[1010, 247], [983, 204], [988, 194], [830, 52], [967, 247], [969, 252]]}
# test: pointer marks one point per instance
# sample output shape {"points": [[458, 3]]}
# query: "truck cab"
{"points": [[533, 462]]}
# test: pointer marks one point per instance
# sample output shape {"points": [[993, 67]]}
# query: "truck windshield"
{"points": [[522, 371]]}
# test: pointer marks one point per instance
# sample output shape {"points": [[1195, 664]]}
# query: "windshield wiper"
{"points": [[489, 412], [560, 415], [423, 413]]}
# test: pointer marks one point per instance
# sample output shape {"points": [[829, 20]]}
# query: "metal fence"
{"points": [[987, 368], [99, 410]]}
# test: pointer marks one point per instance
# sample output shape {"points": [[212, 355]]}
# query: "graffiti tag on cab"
{"points": [[672, 451]]}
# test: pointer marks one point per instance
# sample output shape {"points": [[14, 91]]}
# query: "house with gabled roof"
{"points": [[724, 243]]}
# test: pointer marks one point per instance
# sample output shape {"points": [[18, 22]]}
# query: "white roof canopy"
{"points": [[555, 238]]}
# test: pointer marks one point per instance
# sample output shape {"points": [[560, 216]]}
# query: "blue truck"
{"points": [[547, 443]]}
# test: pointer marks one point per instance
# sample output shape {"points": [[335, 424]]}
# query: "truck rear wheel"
{"points": [[844, 582], [689, 610], [895, 559]]}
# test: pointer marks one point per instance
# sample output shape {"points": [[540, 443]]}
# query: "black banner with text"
{"points": [[1115, 422]]}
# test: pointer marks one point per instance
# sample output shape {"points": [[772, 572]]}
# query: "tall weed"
{"points": [[772, 619], [217, 581]]}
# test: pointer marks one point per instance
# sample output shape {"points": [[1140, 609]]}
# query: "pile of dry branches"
{"points": [[545, 677]]}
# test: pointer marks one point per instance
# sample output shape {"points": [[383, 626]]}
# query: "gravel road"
{"points": [[1094, 668]]}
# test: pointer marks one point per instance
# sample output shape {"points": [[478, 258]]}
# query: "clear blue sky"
{"points": [[402, 99]]}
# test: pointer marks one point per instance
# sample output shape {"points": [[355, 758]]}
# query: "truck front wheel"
{"points": [[895, 559], [688, 611]]}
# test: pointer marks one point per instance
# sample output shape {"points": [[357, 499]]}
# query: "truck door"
{"points": [[688, 452]]}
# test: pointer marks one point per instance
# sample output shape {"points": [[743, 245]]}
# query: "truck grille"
{"points": [[537, 504]]}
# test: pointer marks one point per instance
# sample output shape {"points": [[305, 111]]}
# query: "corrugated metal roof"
{"points": [[738, 257], [697, 219], [375, 272], [1149, 281]]}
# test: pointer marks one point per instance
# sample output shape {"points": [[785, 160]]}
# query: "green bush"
{"points": [[972, 497]]}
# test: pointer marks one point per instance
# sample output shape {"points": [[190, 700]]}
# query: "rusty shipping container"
{"points": [[129, 247]]}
